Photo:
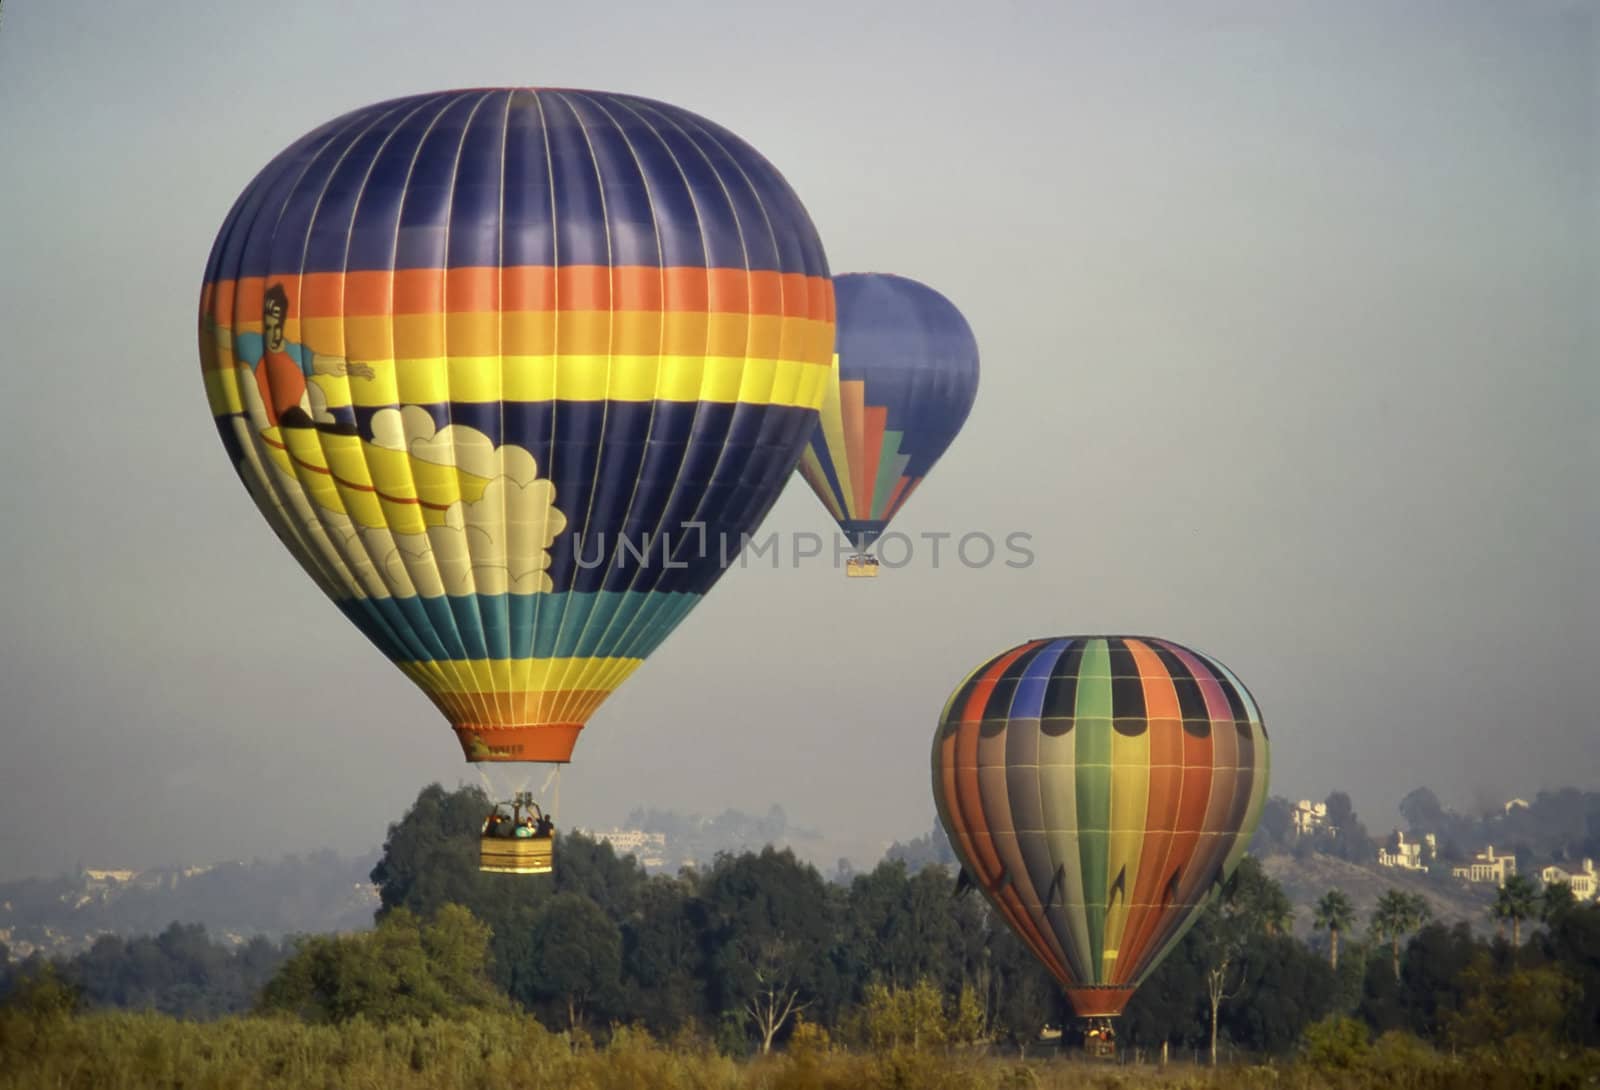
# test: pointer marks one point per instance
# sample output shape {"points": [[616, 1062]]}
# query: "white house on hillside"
{"points": [[649, 848], [1585, 883], [1486, 866], [1407, 854], [1309, 817]]}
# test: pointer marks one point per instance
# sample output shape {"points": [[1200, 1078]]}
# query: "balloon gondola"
{"points": [[1099, 790], [522, 841], [513, 373]]}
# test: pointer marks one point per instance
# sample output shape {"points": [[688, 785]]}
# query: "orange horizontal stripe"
{"points": [[544, 333], [531, 288], [491, 708], [576, 332], [545, 742]]}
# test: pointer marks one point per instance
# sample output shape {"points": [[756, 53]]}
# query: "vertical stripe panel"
{"points": [[1093, 730]]}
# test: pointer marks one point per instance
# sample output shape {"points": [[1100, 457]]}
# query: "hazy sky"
{"points": [[1287, 318]]}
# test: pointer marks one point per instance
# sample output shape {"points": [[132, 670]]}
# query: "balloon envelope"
{"points": [[511, 372], [907, 377], [1098, 789]]}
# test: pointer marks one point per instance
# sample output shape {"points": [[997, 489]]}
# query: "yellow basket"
{"points": [[517, 855], [861, 567]]}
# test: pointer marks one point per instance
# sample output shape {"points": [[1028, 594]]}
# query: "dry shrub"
{"points": [[123, 1051]]}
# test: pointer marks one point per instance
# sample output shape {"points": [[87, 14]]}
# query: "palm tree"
{"points": [[1397, 915], [1554, 902], [1335, 913], [1497, 913], [1516, 900]]}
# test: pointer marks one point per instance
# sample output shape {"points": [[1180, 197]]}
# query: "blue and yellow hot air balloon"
{"points": [[906, 368], [512, 372]]}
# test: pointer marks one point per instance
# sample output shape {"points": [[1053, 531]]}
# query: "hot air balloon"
{"points": [[1099, 790], [513, 373], [907, 368]]}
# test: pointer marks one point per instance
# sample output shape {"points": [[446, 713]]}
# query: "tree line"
{"points": [[756, 947]]}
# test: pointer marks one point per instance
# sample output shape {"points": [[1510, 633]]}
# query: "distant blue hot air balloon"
{"points": [[907, 367]]}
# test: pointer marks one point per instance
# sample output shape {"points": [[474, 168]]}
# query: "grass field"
{"points": [[121, 1051]]}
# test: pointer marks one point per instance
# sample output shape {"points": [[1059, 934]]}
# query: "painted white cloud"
{"points": [[496, 545], [392, 428]]}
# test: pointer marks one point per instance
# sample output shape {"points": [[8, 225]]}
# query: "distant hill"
{"points": [[693, 840], [1305, 880], [321, 892]]}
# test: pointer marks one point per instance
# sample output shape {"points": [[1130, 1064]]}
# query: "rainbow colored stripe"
{"points": [[906, 375], [874, 484], [1098, 790], [546, 358]]}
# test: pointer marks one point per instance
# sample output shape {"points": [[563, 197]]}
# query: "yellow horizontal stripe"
{"points": [[489, 379], [490, 676]]}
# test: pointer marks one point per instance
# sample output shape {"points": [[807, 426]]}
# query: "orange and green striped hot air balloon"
{"points": [[512, 373], [1099, 790]]}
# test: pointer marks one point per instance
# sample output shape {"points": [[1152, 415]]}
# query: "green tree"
{"points": [[1227, 944], [969, 1025], [1238, 944], [1499, 1005], [1021, 996], [663, 961], [456, 946], [1397, 915], [904, 927], [1516, 900], [430, 858], [405, 968], [593, 869], [1249, 904], [770, 923], [1430, 990], [42, 993], [577, 959], [182, 972], [1275, 831], [1289, 987], [932, 849], [1252, 895], [896, 1016], [1171, 1006], [1337, 1042], [1346, 836], [1334, 914], [1555, 901], [1572, 941], [1423, 812]]}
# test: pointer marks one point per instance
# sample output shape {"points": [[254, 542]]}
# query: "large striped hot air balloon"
{"points": [[511, 373], [1099, 790], [907, 375]]}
